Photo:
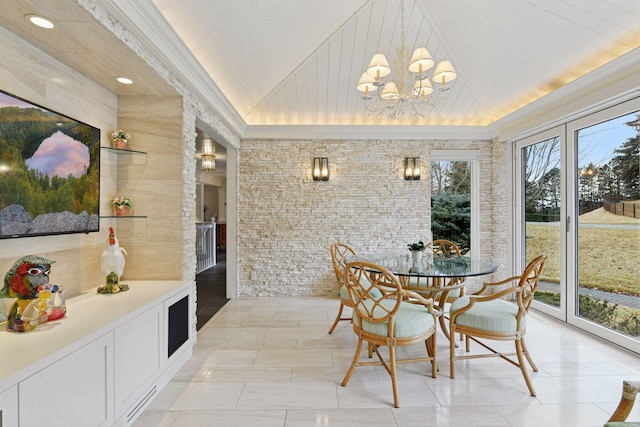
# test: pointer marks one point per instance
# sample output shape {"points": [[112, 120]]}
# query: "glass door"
{"points": [[577, 191], [541, 209], [605, 291]]}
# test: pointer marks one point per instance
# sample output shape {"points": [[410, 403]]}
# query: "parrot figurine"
{"points": [[112, 264], [24, 281]]}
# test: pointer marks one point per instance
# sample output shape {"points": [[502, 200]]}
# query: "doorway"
{"points": [[211, 219]]}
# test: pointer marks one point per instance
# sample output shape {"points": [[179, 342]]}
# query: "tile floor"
{"points": [[270, 362]]}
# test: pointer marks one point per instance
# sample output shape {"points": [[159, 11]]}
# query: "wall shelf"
{"points": [[119, 151], [122, 217], [126, 157]]}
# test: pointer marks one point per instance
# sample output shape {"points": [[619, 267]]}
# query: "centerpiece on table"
{"points": [[416, 250], [120, 140], [122, 205]]}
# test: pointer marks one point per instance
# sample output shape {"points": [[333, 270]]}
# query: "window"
{"points": [[454, 200]]}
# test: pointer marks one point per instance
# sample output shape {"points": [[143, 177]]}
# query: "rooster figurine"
{"points": [[112, 263]]}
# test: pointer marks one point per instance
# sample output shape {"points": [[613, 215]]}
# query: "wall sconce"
{"points": [[320, 169], [412, 168]]}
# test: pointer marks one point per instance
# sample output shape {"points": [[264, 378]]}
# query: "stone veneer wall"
{"points": [[499, 208], [287, 221]]}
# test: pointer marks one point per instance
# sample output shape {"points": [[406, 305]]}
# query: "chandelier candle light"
{"points": [[411, 89]]}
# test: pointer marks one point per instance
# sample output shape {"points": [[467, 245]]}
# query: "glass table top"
{"points": [[401, 263]]}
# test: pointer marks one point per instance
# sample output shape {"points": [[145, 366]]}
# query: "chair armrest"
{"points": [[629, 391], [445, 290], [487, 285], [483, 298], [417, 298]]}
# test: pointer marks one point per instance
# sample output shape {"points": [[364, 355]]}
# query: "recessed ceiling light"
{"points": [[124, 80], [40, 21]]}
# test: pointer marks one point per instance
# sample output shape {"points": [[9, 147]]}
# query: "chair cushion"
{"points": [[410, 320], [454, 293], [495, 316], [623, 424], [344, 292]]}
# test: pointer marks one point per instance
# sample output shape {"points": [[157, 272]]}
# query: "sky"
{"points": [[10, 101], [60, 155], [596, 143]]}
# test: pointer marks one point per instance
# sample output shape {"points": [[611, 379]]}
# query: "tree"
{"points": [[626, 163], [550, 194], [539, 159], [450, 177], [451, 219], [460, 178], [438, 177], [608, 189], [451, 202]]}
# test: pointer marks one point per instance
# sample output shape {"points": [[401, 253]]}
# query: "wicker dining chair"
{"points": [[454, 286], [445, 248], [385, 318], [619, 418], [488, 316], [339, 252], [436, 288]]}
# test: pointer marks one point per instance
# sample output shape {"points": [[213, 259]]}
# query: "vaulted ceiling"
{"points": [[298, 61]]}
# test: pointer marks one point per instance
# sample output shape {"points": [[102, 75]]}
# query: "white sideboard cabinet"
{"points": [[103, 363]]}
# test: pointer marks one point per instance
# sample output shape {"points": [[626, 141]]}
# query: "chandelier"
{"points": [[410, 92]]}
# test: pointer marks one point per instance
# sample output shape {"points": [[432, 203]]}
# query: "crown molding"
{"points": [[366, 132]]}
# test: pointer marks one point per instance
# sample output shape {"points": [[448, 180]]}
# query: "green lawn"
{"points": [[609, 259]]}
